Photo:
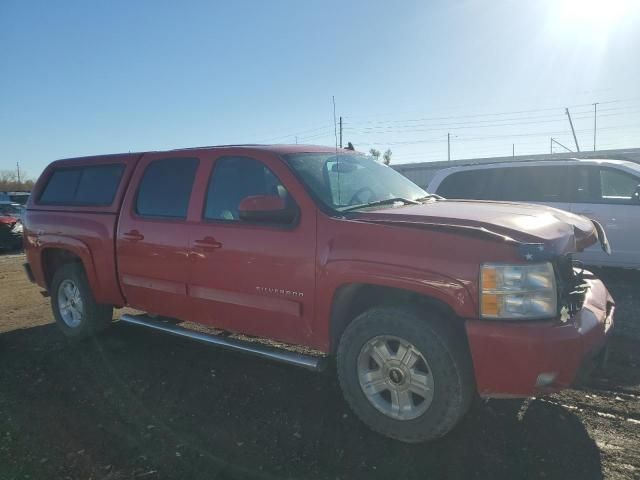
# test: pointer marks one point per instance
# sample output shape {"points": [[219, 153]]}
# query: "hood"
{"points": [[562, 232]]}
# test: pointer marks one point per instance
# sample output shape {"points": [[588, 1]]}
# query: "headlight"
{"points": [[518, 291]]}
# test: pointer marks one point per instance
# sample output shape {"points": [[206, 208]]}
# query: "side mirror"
{"points": [[267, 209]]}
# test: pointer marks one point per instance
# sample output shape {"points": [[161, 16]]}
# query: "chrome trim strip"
{"points": [[297, 359], [286, 306], [167, 286]]}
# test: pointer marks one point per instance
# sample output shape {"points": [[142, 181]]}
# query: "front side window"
{"points": [[87, 185], [235, 178], [165, 188], [347, 180], [617, 186]]}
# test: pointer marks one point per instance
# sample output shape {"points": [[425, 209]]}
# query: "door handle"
{"points": [[133, 235], [208, 243]]}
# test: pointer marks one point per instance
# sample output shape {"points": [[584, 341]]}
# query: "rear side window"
{"points": [[583, 178], [165, 188], [534, 184], [470, 184], [515, 184], [61, 187], [91, 185]]}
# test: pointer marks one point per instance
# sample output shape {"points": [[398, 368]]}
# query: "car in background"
{"points": [[607, 191], [10, 209], [11, 232], [11, 229], [20, 198]]}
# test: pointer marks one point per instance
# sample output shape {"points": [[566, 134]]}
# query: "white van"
{"points": [[605, 190]]}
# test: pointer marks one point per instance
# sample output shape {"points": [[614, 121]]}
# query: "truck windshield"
{"points": [[345, 181]]}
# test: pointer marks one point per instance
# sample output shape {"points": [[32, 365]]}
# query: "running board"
{"points": [[310, 362]]}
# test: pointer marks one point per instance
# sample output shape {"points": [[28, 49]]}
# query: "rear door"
{"points": [[246, 277], [606, 194], [152, 240]]}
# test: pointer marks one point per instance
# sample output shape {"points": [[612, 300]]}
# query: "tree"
{"points": [[9, 181], [386, 158]]}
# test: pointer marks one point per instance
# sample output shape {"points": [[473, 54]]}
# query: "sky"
{"points": [[91, 77]]}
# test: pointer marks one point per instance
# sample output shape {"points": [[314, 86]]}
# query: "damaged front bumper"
{"points": [[522, 359]]}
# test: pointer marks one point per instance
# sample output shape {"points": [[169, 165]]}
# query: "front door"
{"points": [[606, 194], [252, 277], [152, 240]]}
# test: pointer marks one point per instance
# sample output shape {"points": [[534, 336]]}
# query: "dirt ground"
{"points": [[138, 404]]}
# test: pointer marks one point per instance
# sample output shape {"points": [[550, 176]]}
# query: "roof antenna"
{"points": [[335, 134]]}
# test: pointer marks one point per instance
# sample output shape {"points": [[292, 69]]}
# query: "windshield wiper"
{"points": [[431, 195], [386, 201]]}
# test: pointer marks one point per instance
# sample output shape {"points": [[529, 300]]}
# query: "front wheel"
{"points": [[77, 313], [404, 373]]}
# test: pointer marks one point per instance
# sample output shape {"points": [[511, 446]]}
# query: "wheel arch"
{"points": [[56, 254], [352, 299]]}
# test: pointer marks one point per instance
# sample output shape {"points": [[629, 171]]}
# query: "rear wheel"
{"points": [[405, 373], [77, 313]]}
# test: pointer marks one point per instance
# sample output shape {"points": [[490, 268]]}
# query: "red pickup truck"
{"points": [[424, 302]]}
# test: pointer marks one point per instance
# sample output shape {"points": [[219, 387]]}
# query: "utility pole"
{"points": [[448, 147], [595, 113], [513, 150], [335, 132], [575, 139], [18, 168], [341, 131], [296, 139], [551, 146]]}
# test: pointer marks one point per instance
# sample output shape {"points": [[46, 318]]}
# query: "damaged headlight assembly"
{"points": [[518, 292]]}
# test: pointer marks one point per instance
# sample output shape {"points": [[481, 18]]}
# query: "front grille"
{"points": [[572, 288]]}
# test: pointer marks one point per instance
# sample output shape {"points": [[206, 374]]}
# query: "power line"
{"points": [[470, 125], [409, 124], [512, 112], [501, 149], [538, 134]]}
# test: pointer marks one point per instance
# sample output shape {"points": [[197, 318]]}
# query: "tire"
{"points": [[408, 403], [85, 316]]}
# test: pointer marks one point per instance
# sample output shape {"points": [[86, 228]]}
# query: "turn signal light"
{"points": [[490, 305]]}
